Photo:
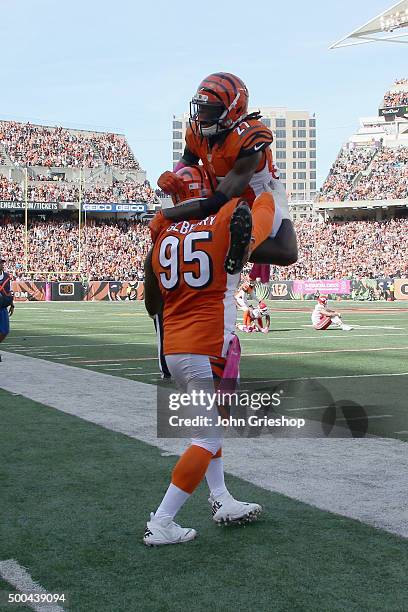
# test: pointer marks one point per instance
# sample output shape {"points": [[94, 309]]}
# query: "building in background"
{"points": [[294, 147]]}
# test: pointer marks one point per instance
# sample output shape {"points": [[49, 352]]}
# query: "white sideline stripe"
{"points": [[105, 333], [370, 416], [305, 408], [123, 369], [20, 347], [147, 374], [364, 479], [358, 335], [106, 361], [16, 575], [360, 350], [101, 365], [266, 380], [319, 337]]}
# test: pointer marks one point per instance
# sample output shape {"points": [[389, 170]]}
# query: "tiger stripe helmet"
{"points": [[220, 103], [196, 185]]}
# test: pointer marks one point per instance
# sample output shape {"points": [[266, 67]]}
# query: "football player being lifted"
{"points": [[234, 148]]}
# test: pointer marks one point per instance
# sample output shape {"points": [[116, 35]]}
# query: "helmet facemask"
{"points": [[207, 116]]}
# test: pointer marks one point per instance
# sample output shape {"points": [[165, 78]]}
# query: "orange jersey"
{"points": [[188, 260], [245, 139]]}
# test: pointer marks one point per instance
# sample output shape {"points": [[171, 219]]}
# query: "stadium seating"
{"points": [[349, 249], [110, 250], [398, 96], [366, 172], [25, 144], [116, 250]]}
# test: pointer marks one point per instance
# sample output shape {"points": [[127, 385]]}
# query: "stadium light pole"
{"points": [[79, 219], [26, 219]]}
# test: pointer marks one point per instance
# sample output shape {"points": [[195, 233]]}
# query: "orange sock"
{"points": [[190, 469], [246, 319], [263, 214]]}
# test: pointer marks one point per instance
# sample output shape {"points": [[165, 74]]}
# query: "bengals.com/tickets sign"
{"points": [[401, 288], [340, 287]]}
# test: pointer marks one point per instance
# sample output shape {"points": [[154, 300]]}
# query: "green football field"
{"points": [[75, 495]]}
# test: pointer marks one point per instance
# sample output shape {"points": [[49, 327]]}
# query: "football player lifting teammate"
{"points": [[190, 260], [234, 148]]}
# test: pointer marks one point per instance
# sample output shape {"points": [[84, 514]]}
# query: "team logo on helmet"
{"points": [[196, 185], [220, 103]]}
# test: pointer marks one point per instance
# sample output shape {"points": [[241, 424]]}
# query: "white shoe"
{"points": [[166, 531], [345, 327], [227, 510]]}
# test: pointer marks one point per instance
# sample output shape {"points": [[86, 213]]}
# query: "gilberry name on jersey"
{"points": [[185, 227]]}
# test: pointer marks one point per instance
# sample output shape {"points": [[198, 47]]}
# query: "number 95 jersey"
{"points": [[188, 260]]}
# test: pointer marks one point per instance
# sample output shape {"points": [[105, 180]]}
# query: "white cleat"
{"points": [[165, 531], [226, 510], [345, 327]]}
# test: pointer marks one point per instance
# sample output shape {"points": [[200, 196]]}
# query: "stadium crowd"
{"points": [[350, 161], [387, 178], [116, 250], [397, 98], [43, 190], [109, 250], [351, 249], [35, 145]]}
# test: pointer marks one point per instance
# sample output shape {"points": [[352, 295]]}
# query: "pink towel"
{"points": [[230, 376]]}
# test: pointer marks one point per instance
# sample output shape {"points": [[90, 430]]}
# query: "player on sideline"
{"points": [[199, 314], [6, 302], [245, 293], [255, 321], [323, 317], [234, 148]]}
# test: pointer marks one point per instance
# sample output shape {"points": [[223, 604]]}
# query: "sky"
{"points": [[129, 66]]}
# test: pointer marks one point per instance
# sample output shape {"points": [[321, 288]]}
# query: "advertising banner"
{"points": [[333, 287], [124, 208], [280, 290], [67, 291], [28, 291], [30, 206], [401, 288], [114, 291], [390, 112]]}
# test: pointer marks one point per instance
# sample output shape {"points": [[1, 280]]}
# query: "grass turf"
{"points": [[75, 498], [118, 338]]}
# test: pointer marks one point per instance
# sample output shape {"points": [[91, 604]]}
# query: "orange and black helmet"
{"points": [[196, 185], [220, 103]]}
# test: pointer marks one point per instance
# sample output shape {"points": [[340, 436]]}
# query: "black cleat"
{"points": [[240, 238]]}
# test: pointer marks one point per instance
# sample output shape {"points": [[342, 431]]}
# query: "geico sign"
{"points": [[115, 207], [279, 289]]}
